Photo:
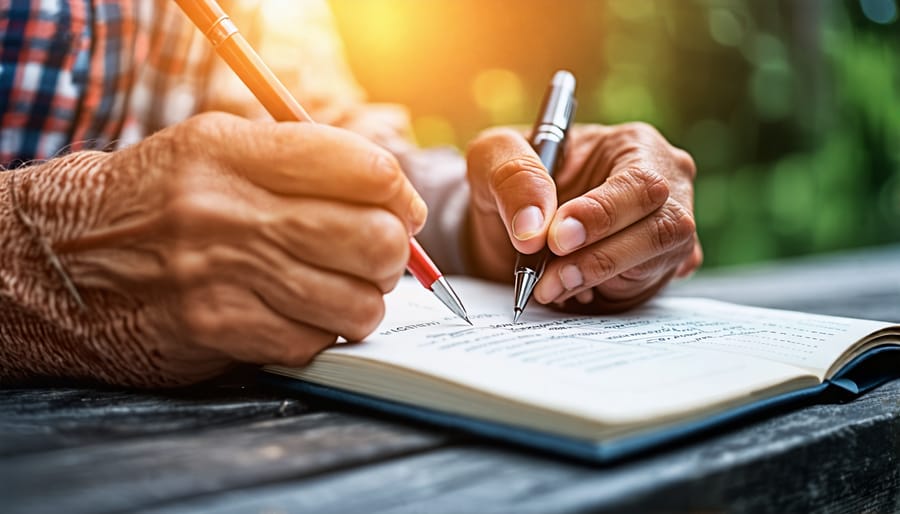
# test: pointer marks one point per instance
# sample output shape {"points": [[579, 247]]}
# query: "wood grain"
{"points": [[133, 473], [825, 458], [47, 418]]}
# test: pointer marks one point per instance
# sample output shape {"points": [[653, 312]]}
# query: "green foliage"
{"points": [[790, 108]]}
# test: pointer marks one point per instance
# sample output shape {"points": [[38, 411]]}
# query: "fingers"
{"points": [[361, 241], [694, 260], [623, 239], [666, 233], [640, 279], [623, 199], [508, 178], [331, 302], [317, 262], [305, 159], [284, 318], [235, 321]]}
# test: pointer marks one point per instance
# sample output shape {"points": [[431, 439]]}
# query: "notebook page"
{"points": [[642, 365], [804, 340]]}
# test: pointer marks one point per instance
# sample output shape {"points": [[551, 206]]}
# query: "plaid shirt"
{"points": [[102, 74]]}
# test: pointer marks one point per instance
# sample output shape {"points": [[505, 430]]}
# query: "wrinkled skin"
{"points": [[214, 241], [222, 240], [623, 227]]}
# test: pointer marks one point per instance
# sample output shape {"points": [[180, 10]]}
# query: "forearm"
{"points": [[49, 325]]}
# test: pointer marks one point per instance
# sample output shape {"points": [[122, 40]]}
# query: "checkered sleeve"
{"points": [[65, 75], [105, 74]]}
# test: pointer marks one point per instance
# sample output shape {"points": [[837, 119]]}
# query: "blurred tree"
{"points": [[791, 108]]}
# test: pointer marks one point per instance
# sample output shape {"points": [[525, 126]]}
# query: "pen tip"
{"points": [[516, 316], [448, 297]]}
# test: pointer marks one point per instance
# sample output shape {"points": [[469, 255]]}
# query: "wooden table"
{"points": [[233, 446]]}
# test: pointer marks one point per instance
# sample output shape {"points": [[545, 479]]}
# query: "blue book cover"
{"points": [[597, 388], [868, 371]]}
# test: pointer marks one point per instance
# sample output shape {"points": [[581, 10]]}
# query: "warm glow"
{"points": [[434, 130], [784, 110], [499, 92]]}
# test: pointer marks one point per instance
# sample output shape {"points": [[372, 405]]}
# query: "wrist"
{"points": [[43, 209], [41, 206]]}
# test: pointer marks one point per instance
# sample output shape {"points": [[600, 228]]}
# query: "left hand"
{"points": [[624, 226]]}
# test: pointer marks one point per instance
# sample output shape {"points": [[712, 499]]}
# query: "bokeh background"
{"points": [[791, 108]]}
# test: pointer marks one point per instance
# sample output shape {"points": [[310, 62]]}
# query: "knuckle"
{"points": [[665, 227], [164, 153], [696, 254], [200, 321], [387, 284], [186, 266], [603, 213], [685, 162], [515, 169], [488, 139], [387, 245], [194, 133], [367, 311], [651, 187], [625, 146], [640, 129], [684, 252], [211, 118], [386, 177], [641, 272], [599, 266], [672, 226], [591, 132]]}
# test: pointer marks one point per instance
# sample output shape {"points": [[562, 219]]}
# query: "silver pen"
{"points": [[549, 140]]}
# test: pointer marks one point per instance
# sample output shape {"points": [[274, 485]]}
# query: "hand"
{"points": [[624, 228], [221, 240]]}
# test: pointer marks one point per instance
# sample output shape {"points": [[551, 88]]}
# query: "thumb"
{"points": [[508, 178]]}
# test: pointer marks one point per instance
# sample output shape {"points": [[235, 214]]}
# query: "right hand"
{"points": [[231, 240]]}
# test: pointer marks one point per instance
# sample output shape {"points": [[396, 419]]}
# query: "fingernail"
{"points": [[527, 222], [570, 234], [548, 289], [571, 277]]}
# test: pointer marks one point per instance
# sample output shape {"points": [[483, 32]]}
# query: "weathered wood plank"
{"points": [[824, 458], [40, 419], [89, 450], [129, 474]]}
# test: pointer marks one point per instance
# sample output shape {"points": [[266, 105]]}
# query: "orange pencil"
{"points": [[231, 46]]}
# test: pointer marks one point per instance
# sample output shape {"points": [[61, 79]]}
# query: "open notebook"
{"points": [[595, 387]]}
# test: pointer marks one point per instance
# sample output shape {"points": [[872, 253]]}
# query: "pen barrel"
{"points": [[533, 262], [421, 266], [550, 152]]}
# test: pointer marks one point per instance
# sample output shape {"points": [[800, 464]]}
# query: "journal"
{"points": [[594, 387]]}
